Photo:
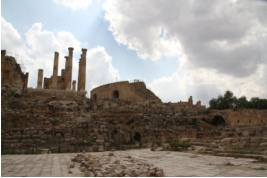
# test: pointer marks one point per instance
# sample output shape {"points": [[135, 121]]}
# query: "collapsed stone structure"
{"points": [[11, 73], [183, 106], [121, 115]]}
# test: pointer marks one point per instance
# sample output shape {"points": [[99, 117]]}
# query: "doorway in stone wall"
{"points": [[137, 137]]}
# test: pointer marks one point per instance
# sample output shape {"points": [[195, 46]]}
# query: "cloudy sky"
{"points": [[179, 48]]}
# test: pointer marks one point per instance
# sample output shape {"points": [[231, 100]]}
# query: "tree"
{"points": [[229, 101], [242, 102]]}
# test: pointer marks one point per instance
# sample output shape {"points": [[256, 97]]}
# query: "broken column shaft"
{"points": [[40, 78], [26, 80], [74, 85]]}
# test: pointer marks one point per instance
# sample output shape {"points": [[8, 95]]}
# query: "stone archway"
{"points": [[218, 121]]}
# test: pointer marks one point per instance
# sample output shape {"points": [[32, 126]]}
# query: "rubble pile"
{"points": [[114, 165]]}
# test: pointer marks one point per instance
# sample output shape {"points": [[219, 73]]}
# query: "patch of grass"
{"points": [[179, 146]]}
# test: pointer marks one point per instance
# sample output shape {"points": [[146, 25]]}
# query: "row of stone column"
{"points": [[66, 73]]}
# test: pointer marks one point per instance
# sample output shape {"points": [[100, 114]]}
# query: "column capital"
{"points": [[70, 51], [84, 51], [70, 48]]}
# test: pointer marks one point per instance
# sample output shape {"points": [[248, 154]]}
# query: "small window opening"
{"points": [[116, 94]]}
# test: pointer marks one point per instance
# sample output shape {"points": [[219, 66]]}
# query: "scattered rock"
{"points": [[72, 165], [111, 154], [103, 166]]}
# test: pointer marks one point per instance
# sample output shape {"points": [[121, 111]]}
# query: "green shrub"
{"points": [[179, 146]]}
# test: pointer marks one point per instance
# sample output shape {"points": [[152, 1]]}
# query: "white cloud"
{"points": [[219, 44], [37, 51], [213, 34], [99, 68], [206, 84], [74, 4]]}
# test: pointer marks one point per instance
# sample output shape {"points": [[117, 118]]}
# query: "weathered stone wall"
{"points": [[37, 120], [242, 117], [135, 92], [183, 106], [64, 121], [11, 73]]}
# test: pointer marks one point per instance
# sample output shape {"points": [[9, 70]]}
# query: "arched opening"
{"points": [[59, 134], [116, 94], [137, 136], [94, 97], [218, 121]]}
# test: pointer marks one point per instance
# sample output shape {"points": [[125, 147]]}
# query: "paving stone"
{"points": [[172, 163]]}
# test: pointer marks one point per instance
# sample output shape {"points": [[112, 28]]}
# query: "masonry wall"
{"points": [[135, 92], [242, 117], [34, 120], [11, 73]]}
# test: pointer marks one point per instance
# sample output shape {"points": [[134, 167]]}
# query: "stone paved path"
{"points": [[173, 164], [43, 165]]}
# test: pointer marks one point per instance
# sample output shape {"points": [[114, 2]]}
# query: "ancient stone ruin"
{"points": [[125, 91], [11, 73], [122, 115], [64, 81]]}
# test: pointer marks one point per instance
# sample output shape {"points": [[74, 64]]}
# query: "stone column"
{"points": [[66, 73], [190, 100], [70, 67], [82, 71], [74, 85], [55, 71], [40, 78], [26, 80], [3, 55]]}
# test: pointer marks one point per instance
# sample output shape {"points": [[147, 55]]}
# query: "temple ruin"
{"points": [[64, 81]]}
